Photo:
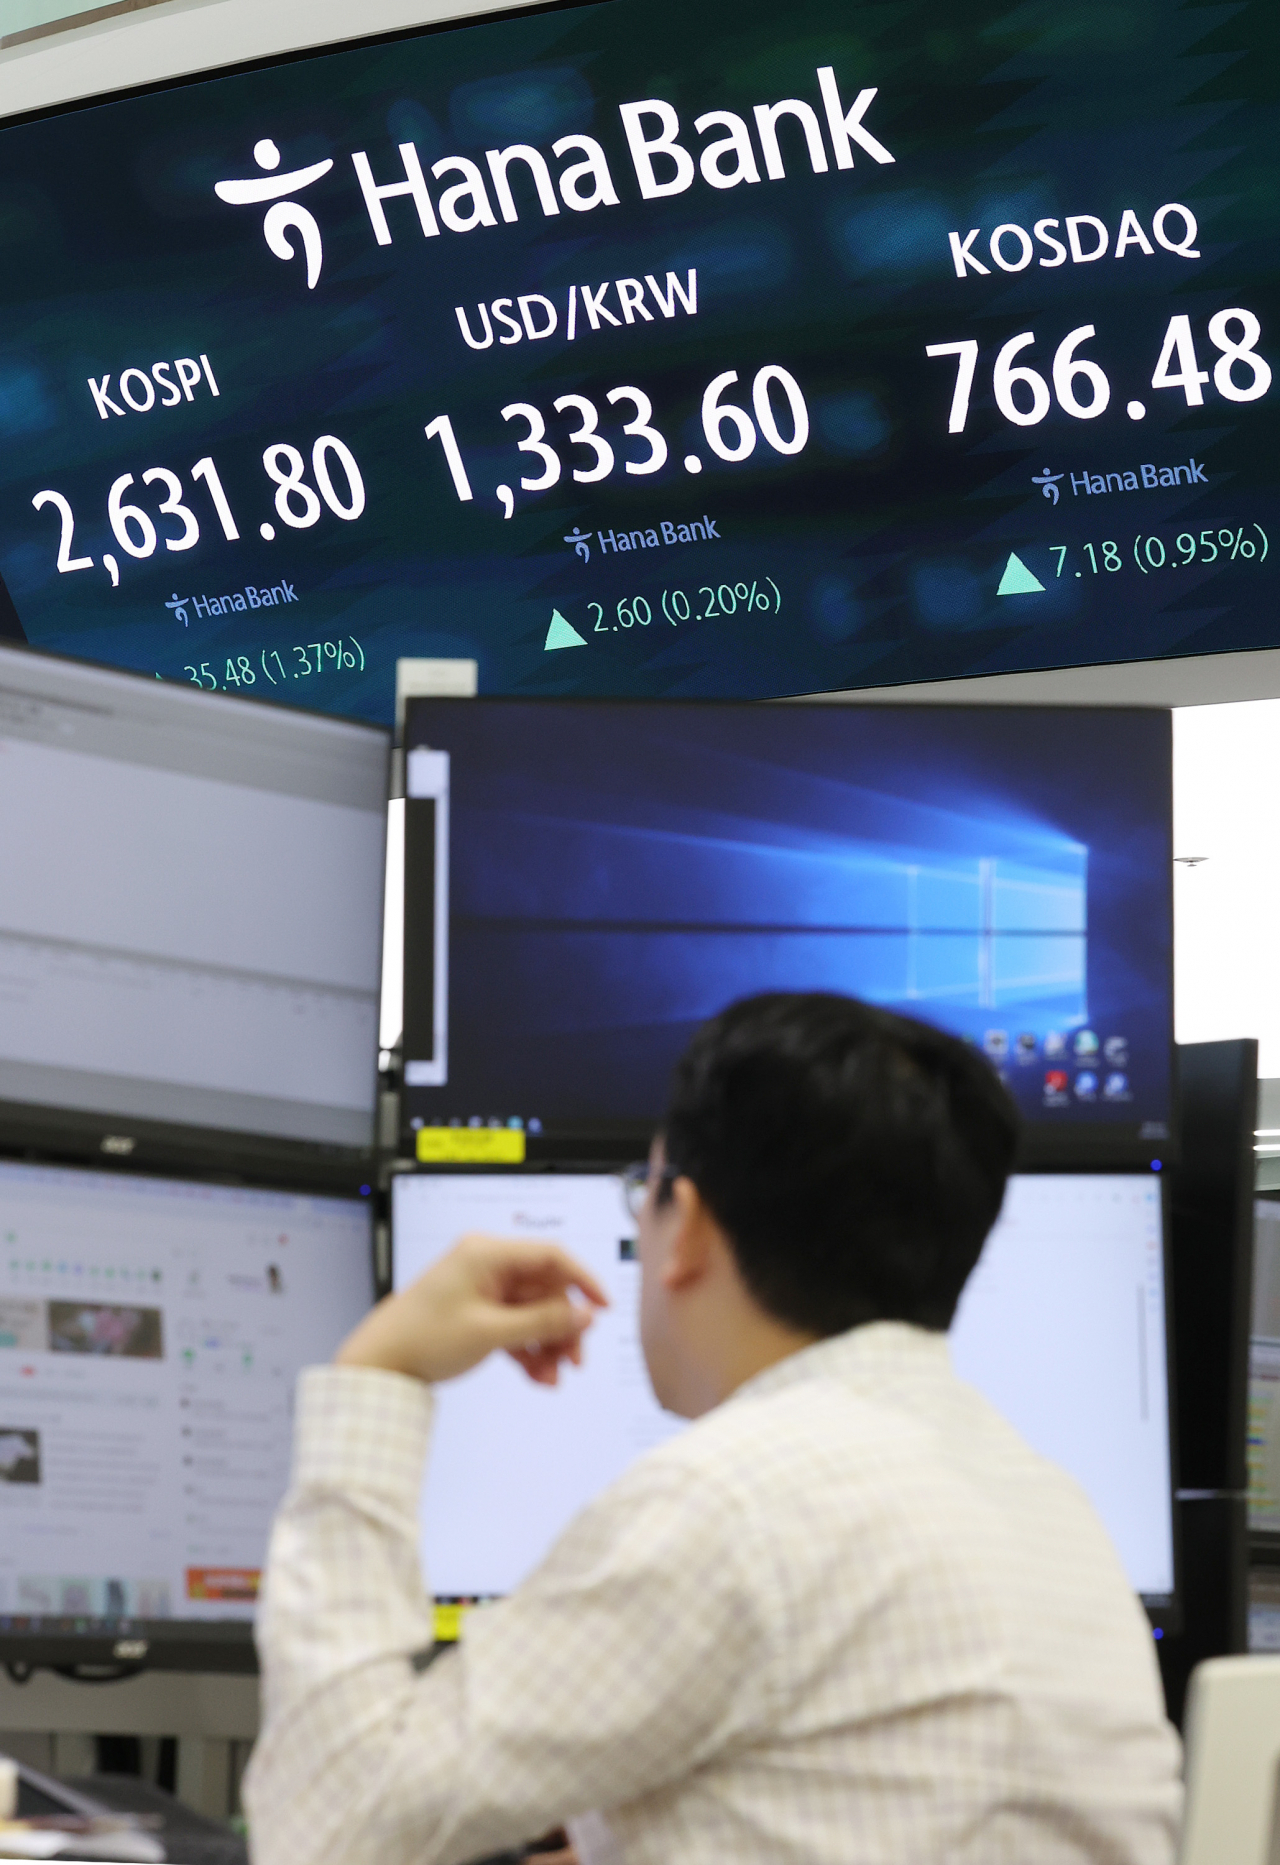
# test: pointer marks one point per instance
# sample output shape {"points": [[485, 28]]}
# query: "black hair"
{"points": [[856, 1160]]}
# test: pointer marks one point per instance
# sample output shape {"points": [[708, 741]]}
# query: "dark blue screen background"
{"points": [[875, 555], [619, 872]]}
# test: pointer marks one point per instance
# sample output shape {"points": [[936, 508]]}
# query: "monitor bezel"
{"points": [[1264, 1543], [223, 1647], [86, 1136], [1044, 1146], [1164, 1611]]}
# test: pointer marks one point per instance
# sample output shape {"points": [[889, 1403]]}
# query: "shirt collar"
{"points": [[876, 1357]]}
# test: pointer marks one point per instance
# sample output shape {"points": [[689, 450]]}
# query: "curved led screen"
{"points": [[636, 349]]}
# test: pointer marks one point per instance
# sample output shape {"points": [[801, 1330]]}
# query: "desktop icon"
{"points": [[1116, 1086], [1055, 1043], [1086, 1043], [1116, 1051], [1086, 1085], [996, 1044], [1025, 1044], [1055, 1084]]}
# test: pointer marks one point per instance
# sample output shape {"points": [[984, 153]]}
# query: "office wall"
{"points": [[1227, 877]]}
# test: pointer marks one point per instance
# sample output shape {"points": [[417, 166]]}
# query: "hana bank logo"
{"points": [[1048, 483], [286, 214]]}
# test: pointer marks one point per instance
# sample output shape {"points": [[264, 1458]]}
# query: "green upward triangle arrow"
{"points": [[1018, 580], [562, 634]]}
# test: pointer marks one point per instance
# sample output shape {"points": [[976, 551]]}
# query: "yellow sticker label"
{"points": [[470, 1146], [448, 1623]]}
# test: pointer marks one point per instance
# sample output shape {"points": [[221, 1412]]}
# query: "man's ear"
{"points": [[692, 1237]]}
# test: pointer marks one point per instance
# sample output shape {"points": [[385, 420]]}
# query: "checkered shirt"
{"points": [[849, 1618]]}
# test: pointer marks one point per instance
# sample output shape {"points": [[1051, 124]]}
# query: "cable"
{"points": [[95, 1673]]}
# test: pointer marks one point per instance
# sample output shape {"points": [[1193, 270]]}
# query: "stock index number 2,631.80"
{"points": [[138, 531]]}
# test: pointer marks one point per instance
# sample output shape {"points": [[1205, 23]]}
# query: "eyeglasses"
{"points": [[636, 1180]]}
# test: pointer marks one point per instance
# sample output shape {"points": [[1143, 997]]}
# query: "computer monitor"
{"points": [[586, 881], [151, 1331], [1062, 1327], [1264, 1375], [190, 919]]}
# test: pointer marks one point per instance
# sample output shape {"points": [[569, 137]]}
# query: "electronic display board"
{"points": [[639, 349]]}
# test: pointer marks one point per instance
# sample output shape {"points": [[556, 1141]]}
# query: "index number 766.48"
{"points": [[1081, 387]]}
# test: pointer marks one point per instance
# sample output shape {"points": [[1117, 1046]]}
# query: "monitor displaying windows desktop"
{"points": [[1062, 1327], [151, 1332], [586, 881], [190, 918]]}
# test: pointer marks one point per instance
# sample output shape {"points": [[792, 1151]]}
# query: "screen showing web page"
{"points": [[151, 1332], [1062, 1327], [190, 921], [512, 1462]]}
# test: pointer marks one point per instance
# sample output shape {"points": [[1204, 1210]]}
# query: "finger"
{"points": [[543, 1362], [554, 1322], [543, 1369], [552, 1849], [552, 1357], [550, 1269], [534, 1357], [576, 1275]]}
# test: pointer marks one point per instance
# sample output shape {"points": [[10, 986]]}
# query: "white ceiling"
{"points": [[186, 36], [1197, 680]]}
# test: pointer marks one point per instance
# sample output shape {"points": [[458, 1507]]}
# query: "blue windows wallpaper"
{"points": [[617, 872]]}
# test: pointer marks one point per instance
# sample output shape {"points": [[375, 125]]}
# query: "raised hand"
{"points": [[487, 1294]]}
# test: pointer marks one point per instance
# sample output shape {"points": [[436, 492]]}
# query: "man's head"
{"points": [[822, 1164]]}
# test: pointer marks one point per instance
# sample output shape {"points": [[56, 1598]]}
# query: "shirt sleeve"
{"points": [[632, 1656]]}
